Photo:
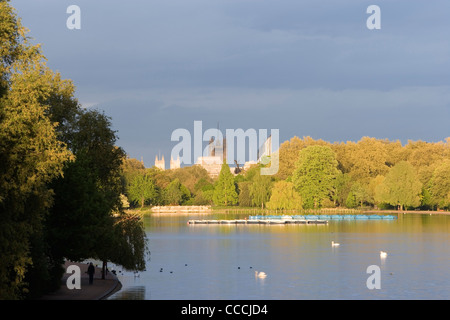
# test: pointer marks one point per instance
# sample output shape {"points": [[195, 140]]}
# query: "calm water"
{"points": [[299, 260]]}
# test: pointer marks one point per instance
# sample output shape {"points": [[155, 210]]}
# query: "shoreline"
{"points": [[186, 210], [99, 290]]}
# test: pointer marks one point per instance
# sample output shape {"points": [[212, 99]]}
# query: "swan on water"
{"points": [[260, 275], [383, 254], [334, 244]]}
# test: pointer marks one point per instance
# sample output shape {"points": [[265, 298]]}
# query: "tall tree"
{"points": [[83, 220], [176, 193], [260, 189], [316, 170], [284, 197], [30, 153], [440, 185], [401, 187], [225, 190], [142, 189]]}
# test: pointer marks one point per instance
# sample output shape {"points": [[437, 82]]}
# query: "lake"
{"points": [[218, 262]]}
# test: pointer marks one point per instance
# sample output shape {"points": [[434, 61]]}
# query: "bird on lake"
{"points": [[383, 254], [334, 244], [260, 275]]}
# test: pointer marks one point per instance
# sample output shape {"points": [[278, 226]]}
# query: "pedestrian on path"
{"points": [[91, 271]]}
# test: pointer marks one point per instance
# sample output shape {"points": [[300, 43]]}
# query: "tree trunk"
{"points": [[104, 270]]}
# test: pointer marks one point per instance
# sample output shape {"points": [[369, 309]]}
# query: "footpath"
{"points": [[100, 289]]}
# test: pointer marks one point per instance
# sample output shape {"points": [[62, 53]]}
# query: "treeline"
{"points": [[313, 174], [60, 175]]}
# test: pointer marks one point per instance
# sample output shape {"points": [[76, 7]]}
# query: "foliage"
{"points": [[142, 189], [30, 153], [245, 199], [440, 185], [260, 189], [176, 193], [401, 187], [225, 190], [316, 170], [284, 196]]}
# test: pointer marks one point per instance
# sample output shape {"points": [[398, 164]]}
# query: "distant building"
{"points": [[211, 164], [175, 164], [160, 164], [217, 156]]}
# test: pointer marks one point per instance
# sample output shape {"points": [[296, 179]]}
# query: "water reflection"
{"points": [[219, 261], [130, 293]]}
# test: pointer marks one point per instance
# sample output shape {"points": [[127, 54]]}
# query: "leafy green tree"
{"points": [[316, 170], [131, 168], [260, 189], [176, 193], [401, 187], [357, 196], [440, 185], [225, 190], [245, 199], [341, 188], [142, 189], [284, 196], [203, 194], [30, 154]]}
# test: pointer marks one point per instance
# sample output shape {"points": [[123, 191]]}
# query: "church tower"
{"points": [[160, 164]]}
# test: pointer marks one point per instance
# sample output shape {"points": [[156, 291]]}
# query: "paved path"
{"points": [[100, 289]]}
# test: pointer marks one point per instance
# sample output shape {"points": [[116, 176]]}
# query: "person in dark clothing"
{"points": [[91, 271]]}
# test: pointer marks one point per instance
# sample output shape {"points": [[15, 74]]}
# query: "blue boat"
{"points": [[349, 217], [311, 217], [361, 217], [336, 217], [324, 217], [374, 217], [389, 217], [298, 217]]}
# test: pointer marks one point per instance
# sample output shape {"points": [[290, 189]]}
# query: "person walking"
{"points": [[91, 271]]}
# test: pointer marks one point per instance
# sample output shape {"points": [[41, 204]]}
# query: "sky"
{"points": [[307, 68]]}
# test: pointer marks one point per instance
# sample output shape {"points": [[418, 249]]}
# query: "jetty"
{"points": [[270, 220], [181, 209], [297, 219]]}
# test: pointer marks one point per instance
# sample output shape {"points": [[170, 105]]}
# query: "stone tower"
{"points": [[175, 164], [160, 164]]}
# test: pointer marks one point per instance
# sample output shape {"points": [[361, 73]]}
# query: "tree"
{"points": [[260, 189], [245, 199], [30, 154], [316, 170], [284, 197], [130, 169], [401, 187], [225, 190], [176, 193], [357, 196], [142, 189], [440, 185], [368, 159]]}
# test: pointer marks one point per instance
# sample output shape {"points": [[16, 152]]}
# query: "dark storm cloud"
{"points": [[305, 67]]}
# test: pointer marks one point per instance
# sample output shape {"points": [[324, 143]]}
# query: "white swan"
{"points": [[383, 254], [260, 275], [334, 244]]}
